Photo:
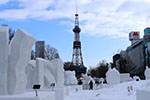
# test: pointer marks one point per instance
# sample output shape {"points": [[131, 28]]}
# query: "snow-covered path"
{"points": [[116, 92]]}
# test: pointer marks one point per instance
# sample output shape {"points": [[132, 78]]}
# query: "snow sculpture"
{"points": [[113, 76], [58, 72], [136, 78], [3, 59], [125, 77], [39, 72], [101, 80], [19, 55], [86, 80], [48, 76], [14, 57], [47, 72], [30, 72], [70, 78], [147, 73]]}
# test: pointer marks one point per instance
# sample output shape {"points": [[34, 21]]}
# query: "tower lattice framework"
{"points": [[77, 59]]}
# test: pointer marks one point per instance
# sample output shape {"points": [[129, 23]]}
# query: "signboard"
{"points": [[134, 35], [147, 30]]}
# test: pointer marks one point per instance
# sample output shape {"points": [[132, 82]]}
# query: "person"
{"points": [[80, 82], [91, 85]]}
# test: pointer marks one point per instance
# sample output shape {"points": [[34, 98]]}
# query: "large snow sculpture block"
{"points": [[39, 72], [125, 77], [19, 55], [47, 72], [48, 76], [43, 75], [3, 59], [30, 72], [147, 73], [113, 76], [58, 72], [70, 78]]}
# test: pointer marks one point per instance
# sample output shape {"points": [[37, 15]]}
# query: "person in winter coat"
{"points": [[91, 85]]}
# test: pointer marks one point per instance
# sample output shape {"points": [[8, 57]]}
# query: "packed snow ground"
{"points": [[115, 92]]}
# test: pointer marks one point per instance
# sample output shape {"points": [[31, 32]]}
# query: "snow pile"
{"points": [[72, 89], [136, 78], [125, 77], [113, 76], [30, 95], [147, 73], [115, 92], [70, 78], [32, 62], [143, 92]]}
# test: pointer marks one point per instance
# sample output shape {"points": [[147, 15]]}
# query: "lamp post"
{"points": [[36, 87]]}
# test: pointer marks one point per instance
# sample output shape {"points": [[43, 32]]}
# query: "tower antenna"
{"points": [[76, 6]]}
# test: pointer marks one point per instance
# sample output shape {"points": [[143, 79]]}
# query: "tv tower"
{"points": [[77, 60]]}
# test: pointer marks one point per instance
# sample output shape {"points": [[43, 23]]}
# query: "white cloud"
{"points": [[14, 14], [35, 4], [3, 2], [114, 18]]}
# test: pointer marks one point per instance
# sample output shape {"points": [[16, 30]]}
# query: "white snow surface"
{"points": [[30, 95], [111, 92], [32, 62]]}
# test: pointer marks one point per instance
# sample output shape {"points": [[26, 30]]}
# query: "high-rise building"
{"points": [[40, 49]]}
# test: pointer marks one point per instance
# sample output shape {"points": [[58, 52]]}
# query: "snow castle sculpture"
{"points": [[13, 60]]}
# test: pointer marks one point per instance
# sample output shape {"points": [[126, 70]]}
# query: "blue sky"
{"points": [[105, 24]]}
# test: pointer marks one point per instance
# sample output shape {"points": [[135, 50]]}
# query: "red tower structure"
{"points": [[77, 60]]}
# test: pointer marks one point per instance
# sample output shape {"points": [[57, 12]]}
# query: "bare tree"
{"points": [[32, 55], [51, 53], [69, 66], [11, 32], [100, 70]]}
